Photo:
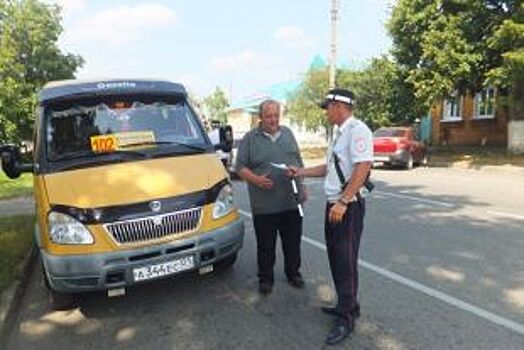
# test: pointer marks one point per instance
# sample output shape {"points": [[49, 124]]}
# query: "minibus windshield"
{"points": [[83, 130]]}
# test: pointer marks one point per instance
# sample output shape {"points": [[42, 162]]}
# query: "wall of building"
{"points": [[516, 136], [470, 131], [241, 122]]}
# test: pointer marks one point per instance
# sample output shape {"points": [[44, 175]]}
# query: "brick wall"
{"points": [[469, 131]]}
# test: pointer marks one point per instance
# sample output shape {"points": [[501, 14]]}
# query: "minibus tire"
{"points": [[59, 301]]}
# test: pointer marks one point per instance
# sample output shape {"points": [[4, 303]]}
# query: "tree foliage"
{"points": [[448, 45], [303, 104], [508, 39], [216, 104], [383, 97], [29, 57]]}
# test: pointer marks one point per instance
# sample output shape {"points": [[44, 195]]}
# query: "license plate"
{"points": [[380, 159], [163, 269]]}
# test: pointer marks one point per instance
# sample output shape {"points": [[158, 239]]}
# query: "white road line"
{"points": [[506, 215], [403, 196], [416, 199], [489, 316], [245, 213]]}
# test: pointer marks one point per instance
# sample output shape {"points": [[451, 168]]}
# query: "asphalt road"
{"points": [[442, 267]]}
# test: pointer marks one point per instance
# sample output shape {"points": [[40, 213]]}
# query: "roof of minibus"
{"points": [[70, 88]]}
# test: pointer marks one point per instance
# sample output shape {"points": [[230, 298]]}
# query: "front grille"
{"points": [[155, 227]]}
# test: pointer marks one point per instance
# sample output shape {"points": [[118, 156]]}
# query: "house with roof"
{"points": [[471, 119]]}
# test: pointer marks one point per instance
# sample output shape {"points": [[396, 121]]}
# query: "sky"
{"points": [[238, 45]]}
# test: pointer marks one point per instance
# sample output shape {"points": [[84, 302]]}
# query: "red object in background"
{"points": [[398, 146]]}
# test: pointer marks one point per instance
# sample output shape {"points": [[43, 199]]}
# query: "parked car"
{"points": [[398, 146]]}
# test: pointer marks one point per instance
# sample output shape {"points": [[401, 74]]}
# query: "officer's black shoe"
{"points": [[265, 287], [340, 331], [355, 313], [330, 310], [297, 281]]}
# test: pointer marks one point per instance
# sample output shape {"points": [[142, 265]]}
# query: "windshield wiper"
{"points": [[172, 143], [90, 154]]}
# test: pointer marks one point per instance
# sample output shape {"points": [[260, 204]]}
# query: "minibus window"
{"points": [[101, 127]]}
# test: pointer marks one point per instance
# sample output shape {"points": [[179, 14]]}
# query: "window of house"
{"points": [[452, 108], [485, 104]]}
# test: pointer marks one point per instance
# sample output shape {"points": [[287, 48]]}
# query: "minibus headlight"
{"points": [[63, 229], [224, 203]]}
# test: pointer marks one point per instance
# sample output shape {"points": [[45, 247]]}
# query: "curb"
{"points": [[11, 297]]}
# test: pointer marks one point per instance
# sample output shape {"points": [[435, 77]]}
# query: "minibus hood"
{"points": [[132, 182]]}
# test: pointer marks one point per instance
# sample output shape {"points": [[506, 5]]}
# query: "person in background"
{"points": [[349, 160], [214, 137], [273, 203]]}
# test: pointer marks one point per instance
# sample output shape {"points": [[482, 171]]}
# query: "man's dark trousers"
{"points": [[342, 242], [289, 224]]}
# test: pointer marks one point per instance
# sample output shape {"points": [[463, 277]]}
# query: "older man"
{"points": [[273, 203]]}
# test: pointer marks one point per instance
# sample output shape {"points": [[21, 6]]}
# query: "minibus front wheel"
{"points": [[59, 300]]}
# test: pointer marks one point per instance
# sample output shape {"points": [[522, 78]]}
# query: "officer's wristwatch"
{"points": [[344, 201]]}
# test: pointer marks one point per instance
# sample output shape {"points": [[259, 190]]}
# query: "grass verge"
{"points": [[23, 186], [313, 152], [16, 238], [476, 157]]}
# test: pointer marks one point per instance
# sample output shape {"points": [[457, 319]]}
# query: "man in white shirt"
{"points": [[214, 137], [348, 163]]}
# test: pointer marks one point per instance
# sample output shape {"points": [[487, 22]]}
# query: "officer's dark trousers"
{"points": [[289, 224], [342, 242]]}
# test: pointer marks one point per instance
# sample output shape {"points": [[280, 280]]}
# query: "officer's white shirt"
{"points": [[352, 144]]}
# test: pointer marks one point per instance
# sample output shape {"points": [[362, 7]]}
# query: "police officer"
{"points": [[352, 153]]}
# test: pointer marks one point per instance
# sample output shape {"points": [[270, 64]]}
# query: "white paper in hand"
{"points": [[281, 166]]}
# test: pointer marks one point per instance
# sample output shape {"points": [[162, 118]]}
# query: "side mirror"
{"points": [[226, 138], [10, 157]]}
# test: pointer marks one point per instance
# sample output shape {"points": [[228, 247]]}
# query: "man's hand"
{"points": [[293, 171], [263, 181], [336, 213]]}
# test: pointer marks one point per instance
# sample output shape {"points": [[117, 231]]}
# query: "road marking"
{"points": [[381, 194], [489, 316], [416, 199], [391, 194], [506, 215], [245, 213]]}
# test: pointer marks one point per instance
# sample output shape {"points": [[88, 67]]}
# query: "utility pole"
{"points": [[333, 46], [332, 56]]}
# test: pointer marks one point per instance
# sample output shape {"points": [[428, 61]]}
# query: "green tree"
{"points": [[446, 45], [383, 96], [508, 38], [303, 104], [216, 104], [29, 57]]}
